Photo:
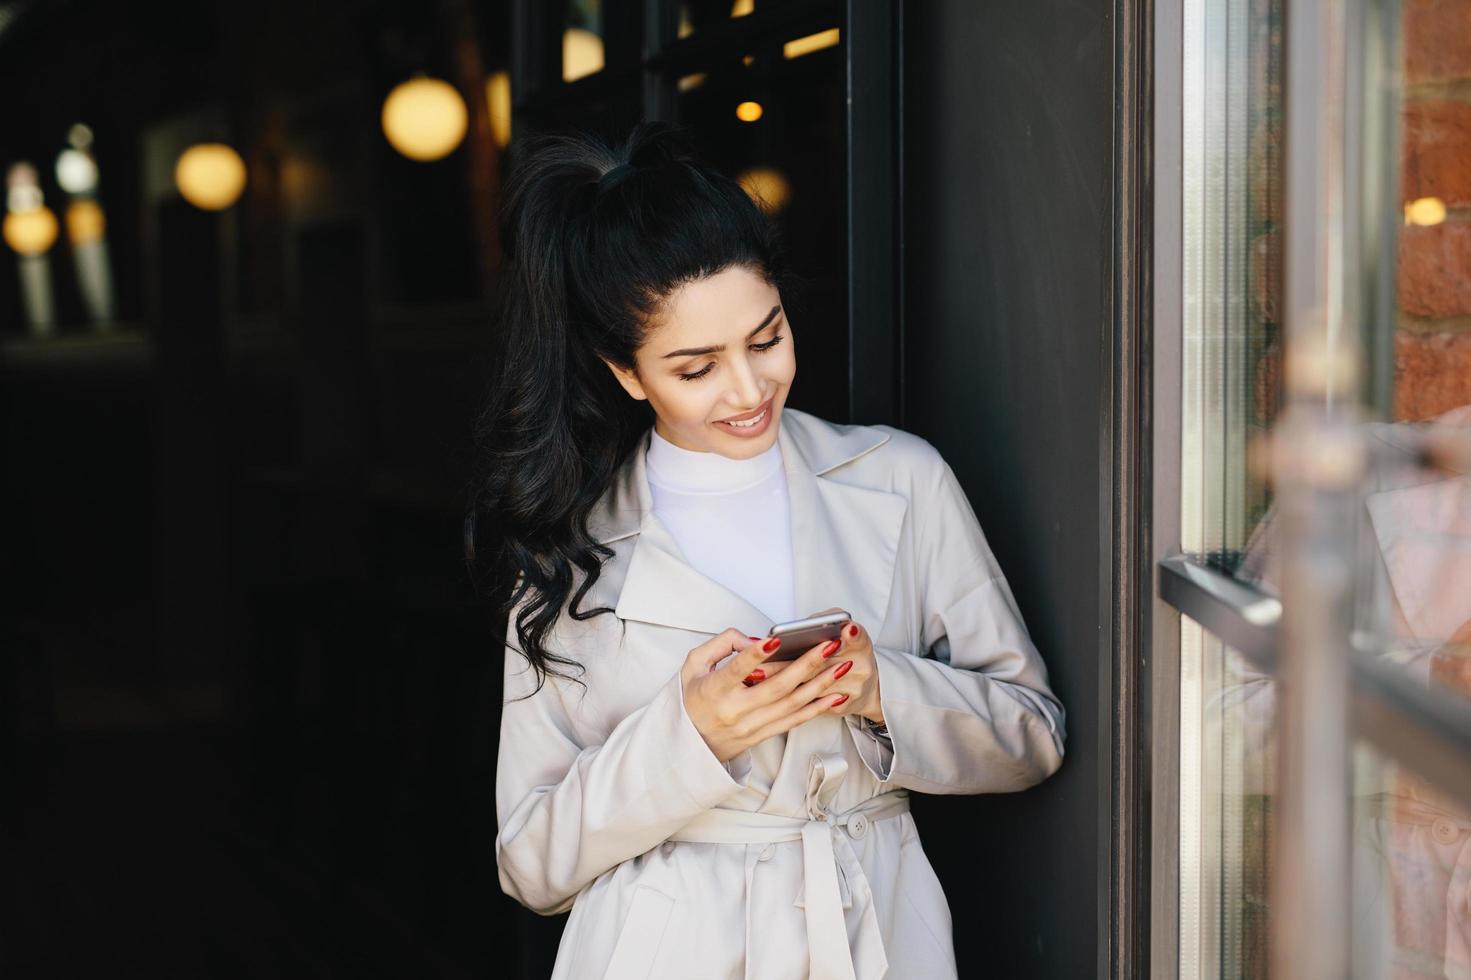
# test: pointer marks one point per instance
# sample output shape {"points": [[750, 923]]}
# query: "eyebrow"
{"points": [[695, 351]]}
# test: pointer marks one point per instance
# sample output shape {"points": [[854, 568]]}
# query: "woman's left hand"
{"points": [[860, 681]]}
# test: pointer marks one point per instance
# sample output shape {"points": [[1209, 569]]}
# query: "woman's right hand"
{"points": [[732, 716]]}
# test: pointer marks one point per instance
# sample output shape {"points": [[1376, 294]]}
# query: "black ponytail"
{"points": [[588, 267]]}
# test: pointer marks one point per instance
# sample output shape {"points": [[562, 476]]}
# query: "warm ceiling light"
{"points": [[1425, 211], [498, 99], [582, 54], [742, 7], [769, 188], [810, 43], [688, 82], [30, 232], [211, 176], [748, 111], [424, 118], [85, 222]]}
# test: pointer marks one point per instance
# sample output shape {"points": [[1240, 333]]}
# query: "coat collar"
{"points": [[845, 538]]}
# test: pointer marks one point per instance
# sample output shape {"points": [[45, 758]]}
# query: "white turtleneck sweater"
{"points": [[731, 518]]}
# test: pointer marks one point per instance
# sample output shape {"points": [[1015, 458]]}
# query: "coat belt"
{"points": [[827, 932]]}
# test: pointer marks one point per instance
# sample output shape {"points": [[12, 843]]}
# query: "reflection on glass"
{"points": [[1226, 781], [1412, 876]]}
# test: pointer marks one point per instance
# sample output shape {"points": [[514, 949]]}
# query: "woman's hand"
{"points": [[860, 682], [732, 716]]}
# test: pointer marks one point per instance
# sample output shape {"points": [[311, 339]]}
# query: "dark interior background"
{"points": [[250, 701]]}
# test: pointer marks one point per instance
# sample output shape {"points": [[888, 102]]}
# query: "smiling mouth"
{"points": [[748, 422]]}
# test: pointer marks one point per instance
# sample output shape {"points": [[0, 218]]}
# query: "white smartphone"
{"points": [[801, 635]]}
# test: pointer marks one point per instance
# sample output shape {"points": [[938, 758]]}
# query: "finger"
{"points": [[752, 655], [805, 713], [766, 671], [804, 667], [717, 648], [795, 696], [853, 633]]}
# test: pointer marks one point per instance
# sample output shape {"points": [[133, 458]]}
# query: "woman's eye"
{"points": [[698, 374], [759, 348]]}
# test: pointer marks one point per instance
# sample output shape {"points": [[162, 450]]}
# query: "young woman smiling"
{"points": [[703, 810]]}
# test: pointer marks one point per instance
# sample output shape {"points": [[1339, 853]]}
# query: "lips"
{"points": [[749, 415], [750, 425]]}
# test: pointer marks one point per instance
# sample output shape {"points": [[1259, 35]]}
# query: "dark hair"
{"points": [[588, 268]]}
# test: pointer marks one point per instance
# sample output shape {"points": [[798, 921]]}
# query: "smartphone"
{"points": [[801, 635]]}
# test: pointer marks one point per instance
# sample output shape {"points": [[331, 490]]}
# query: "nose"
{"points": [[745, 384]]}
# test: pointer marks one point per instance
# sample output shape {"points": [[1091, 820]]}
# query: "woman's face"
{"points": [[721, 352]]}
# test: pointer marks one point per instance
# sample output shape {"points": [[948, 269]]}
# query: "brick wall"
{"points": [[1433, 343]]}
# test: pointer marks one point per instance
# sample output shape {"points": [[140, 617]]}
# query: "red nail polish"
{"points": [[754, 639], [852, 629], [839, 700], [831, 648], [756, 675], [847, 665], [770, 645]]}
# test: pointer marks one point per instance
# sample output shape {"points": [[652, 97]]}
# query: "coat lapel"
{"points": [[845, 539]]}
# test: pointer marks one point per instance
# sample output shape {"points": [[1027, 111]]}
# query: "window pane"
{"points": [[1232, 268], [1226, 776], [1416, 596]]}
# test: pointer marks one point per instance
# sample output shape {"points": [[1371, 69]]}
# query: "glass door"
{"points": [[1316, 343]]}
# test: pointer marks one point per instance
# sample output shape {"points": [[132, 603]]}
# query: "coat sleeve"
{"points": [[971, 712], [569, 811]]}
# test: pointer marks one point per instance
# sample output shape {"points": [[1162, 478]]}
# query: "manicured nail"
{"points": [[831, 648], [852, 629], [754, 639], [770, 645], [839, 700], [847, 665], [756, 675]]}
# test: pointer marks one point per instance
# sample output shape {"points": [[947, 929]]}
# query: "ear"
{"points": [[629, 380]]}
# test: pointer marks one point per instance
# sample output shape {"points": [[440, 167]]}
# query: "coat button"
{"points": [[1444, 831], [766, 852], [857, 826]]}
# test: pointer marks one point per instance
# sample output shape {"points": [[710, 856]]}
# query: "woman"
{"points": [[702, 810]]}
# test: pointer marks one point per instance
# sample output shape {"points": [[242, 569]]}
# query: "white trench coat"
{"points": [[799, 857]]}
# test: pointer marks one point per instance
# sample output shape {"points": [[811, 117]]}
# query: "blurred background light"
{"points": [[23, 187], [1425, 211], [742, 7], [211, 176], [768, 187], [812, 42], [748, 111], [31, 232], [76, 172], [498, 98], [424, 118], [85, 222], [582, 54], [694, 81]]}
